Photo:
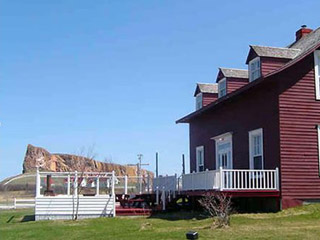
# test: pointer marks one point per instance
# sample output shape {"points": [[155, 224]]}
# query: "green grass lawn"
{"points": [[296, 223]]}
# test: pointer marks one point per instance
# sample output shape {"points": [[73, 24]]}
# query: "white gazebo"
{"points": [[71, 202]]}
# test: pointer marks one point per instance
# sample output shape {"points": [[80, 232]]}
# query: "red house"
{"points": [[257, 131]]}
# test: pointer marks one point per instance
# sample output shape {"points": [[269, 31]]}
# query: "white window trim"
{"points": [[317, 73], [251, 134], [318, 128], [198, 149], [219, 84], [257, 59], [223, 138], [199, 95]]}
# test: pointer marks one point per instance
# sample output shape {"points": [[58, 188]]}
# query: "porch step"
{"points": [[133, 211]]}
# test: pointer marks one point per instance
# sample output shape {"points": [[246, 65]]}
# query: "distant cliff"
{"points": [[67, 162]]}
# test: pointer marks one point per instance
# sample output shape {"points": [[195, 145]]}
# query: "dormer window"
{"points": [[199, 101], [317, 73], [222, 88], [254, 69]]}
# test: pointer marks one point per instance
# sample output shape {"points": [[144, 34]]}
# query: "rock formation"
{"points": [[66, 162]]}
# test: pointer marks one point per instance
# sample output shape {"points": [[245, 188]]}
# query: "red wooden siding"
{"points": [[208, 98], [235, 83], [271, 64], [299, 115], [240, 116]]}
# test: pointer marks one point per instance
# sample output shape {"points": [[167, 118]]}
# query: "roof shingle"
{"points": [[235, 73], [207, 88], [288, 53]]}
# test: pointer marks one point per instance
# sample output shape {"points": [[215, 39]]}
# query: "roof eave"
{"points": [[246, 87]]}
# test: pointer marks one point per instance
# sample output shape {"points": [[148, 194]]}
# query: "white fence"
{"points": [[65, 207], [23, 203], [19, 203], [167, 183]]}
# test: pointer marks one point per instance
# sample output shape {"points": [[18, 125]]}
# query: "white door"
{"points": [[224, 155], [224, 151]]}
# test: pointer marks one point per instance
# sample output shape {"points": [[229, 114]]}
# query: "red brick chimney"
{"points": [[302, 32]]}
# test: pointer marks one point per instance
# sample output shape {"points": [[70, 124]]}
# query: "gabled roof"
{"points": [[315, 44], [206, 88], [308, 41], [275, 52], [234, 73]]}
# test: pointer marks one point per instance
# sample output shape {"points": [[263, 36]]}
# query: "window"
{"points": [[222, 88], [200, 158], [318, 128], [317, 73], [224, 151], [256, 149], [254, 69], [199, 101]]}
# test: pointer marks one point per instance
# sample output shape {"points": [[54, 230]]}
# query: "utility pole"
{"points": [[139, 172], [157, 166], [183, 165]]}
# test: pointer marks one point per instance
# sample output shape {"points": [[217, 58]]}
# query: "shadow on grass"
{"points": [[28, 218], [179, 215], [10, 219]]}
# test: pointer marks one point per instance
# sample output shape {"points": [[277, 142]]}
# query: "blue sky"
{"points": [[117, 74]]}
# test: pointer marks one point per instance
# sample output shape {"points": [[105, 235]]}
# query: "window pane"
{"points": [[257, 162]]}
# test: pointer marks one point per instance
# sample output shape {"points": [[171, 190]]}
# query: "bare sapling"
{"points": [[218, 206], [81, 162]]}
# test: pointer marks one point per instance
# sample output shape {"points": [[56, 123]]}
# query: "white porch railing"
{"points": [[232, 179], [168, 183], [201, 180], [249, 179]]}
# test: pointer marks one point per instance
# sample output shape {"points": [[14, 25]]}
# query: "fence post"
{"points": [[15, 203], [277, 179], [98, 186], [68, 187], [38, 183], [125, 184], [75, 192], [221, 178]]}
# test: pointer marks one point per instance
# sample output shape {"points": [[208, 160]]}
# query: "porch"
{"points": [[228, 180]]}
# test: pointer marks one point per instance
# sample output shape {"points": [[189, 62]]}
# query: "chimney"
{"points": [[302, 32]]}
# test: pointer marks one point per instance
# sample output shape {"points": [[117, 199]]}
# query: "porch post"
{"points": [[148, 183], [75, 192], [112, 183], [113, 194], [68, 186], [98, 186], [221, 178], [277, 179], [125, 184], [163, 198], [175, 185], [157, 195]]}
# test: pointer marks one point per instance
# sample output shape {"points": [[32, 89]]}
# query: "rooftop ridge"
{"points": [[284, 48]]}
